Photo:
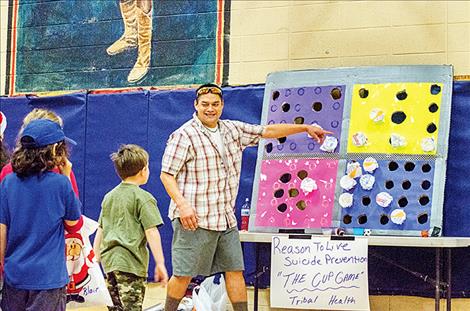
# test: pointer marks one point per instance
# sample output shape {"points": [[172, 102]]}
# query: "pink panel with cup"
{"points": [[296, 193]]}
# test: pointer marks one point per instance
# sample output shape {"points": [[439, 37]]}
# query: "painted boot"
{"points": [[142, 64], [128, 40]]}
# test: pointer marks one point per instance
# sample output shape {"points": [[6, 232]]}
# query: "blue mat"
{"points": [[100, 122]]}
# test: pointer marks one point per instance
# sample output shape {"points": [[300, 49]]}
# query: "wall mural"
{"points": [[76, 44]]}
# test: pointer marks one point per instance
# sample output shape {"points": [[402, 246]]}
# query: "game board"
{"points": [[381, 171]]}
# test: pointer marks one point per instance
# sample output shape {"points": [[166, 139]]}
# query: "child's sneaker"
{"points": [[158, 307], [186, 304]]}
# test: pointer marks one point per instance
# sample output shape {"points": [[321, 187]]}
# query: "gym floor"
{"points": [[156, 294]]}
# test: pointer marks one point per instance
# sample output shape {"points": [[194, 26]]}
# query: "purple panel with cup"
{"points": [[322, 105], [399, 198]]}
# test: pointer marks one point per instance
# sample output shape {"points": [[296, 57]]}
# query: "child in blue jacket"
{"points": [[35, 205]]}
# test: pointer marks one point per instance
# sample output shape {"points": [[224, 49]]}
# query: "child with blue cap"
{"points": [[35, 205]]}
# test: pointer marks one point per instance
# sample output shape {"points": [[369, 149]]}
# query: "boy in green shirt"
{"points": [[128, 221]]}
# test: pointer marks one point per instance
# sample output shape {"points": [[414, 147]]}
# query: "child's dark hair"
{"points": [[4, 155], [129, 160], [28, 162]]}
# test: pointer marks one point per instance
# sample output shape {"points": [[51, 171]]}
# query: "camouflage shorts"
{"points": [[127, 291]]}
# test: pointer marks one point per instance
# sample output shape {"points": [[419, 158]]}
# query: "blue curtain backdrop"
{"points": [[101, 122]]}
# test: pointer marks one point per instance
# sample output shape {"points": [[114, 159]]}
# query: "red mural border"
{"points": [[13, 48], [220, 42]]}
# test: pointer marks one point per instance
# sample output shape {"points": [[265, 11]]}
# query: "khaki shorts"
{"points": [[205, 252]]}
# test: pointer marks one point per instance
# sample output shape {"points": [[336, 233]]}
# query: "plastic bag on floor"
{"points": [[210, 295], [86, 286]]}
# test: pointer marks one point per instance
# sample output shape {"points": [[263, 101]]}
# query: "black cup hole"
{"points": [[384, 219], [426, 168], [362, 219], [409, 166], [299, 120], [302, 174], [402, 202], [269, 147], [276, 95], [278, 193], [365, 200], [285, 178], [398, 117], [317, 106], [347, 219], [363, 93], [282, 140], [426, 184], [402, 95], [435, 89], [431, 128], [433, 107], [389, 184], [406, 185], [423, 200], [301, 205], [293, 192], [285, 107], [423, 218], [282, 207], [392, 166], [336, 93]]}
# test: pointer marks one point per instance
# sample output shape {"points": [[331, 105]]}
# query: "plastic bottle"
{"points": [[245, 213]]}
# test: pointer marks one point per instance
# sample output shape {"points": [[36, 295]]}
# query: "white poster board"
{"points": [[316, 272]]}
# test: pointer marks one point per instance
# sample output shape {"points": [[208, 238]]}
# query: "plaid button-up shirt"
{"points": [[207, 180]]}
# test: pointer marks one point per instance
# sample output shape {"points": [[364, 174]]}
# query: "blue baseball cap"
{"points": [[42, 132]]}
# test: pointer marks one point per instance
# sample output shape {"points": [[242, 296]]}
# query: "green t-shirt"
{"points": [[126, 212]]}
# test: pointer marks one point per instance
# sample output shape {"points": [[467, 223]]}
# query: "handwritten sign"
{"points": [[319, 273]]}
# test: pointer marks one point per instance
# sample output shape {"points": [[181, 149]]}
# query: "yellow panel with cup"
{"points": [[395, 118]]}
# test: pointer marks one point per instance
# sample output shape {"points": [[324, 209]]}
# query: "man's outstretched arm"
{"points": [[283, 130]]}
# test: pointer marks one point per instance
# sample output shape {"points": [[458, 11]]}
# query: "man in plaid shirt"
{"points": [[201, 171]]}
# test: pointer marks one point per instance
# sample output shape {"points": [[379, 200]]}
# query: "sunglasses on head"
{"points": [[209, 89]]}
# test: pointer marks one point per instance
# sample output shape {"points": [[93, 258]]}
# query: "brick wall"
{"points": [[267, 36], [290, 35]]}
